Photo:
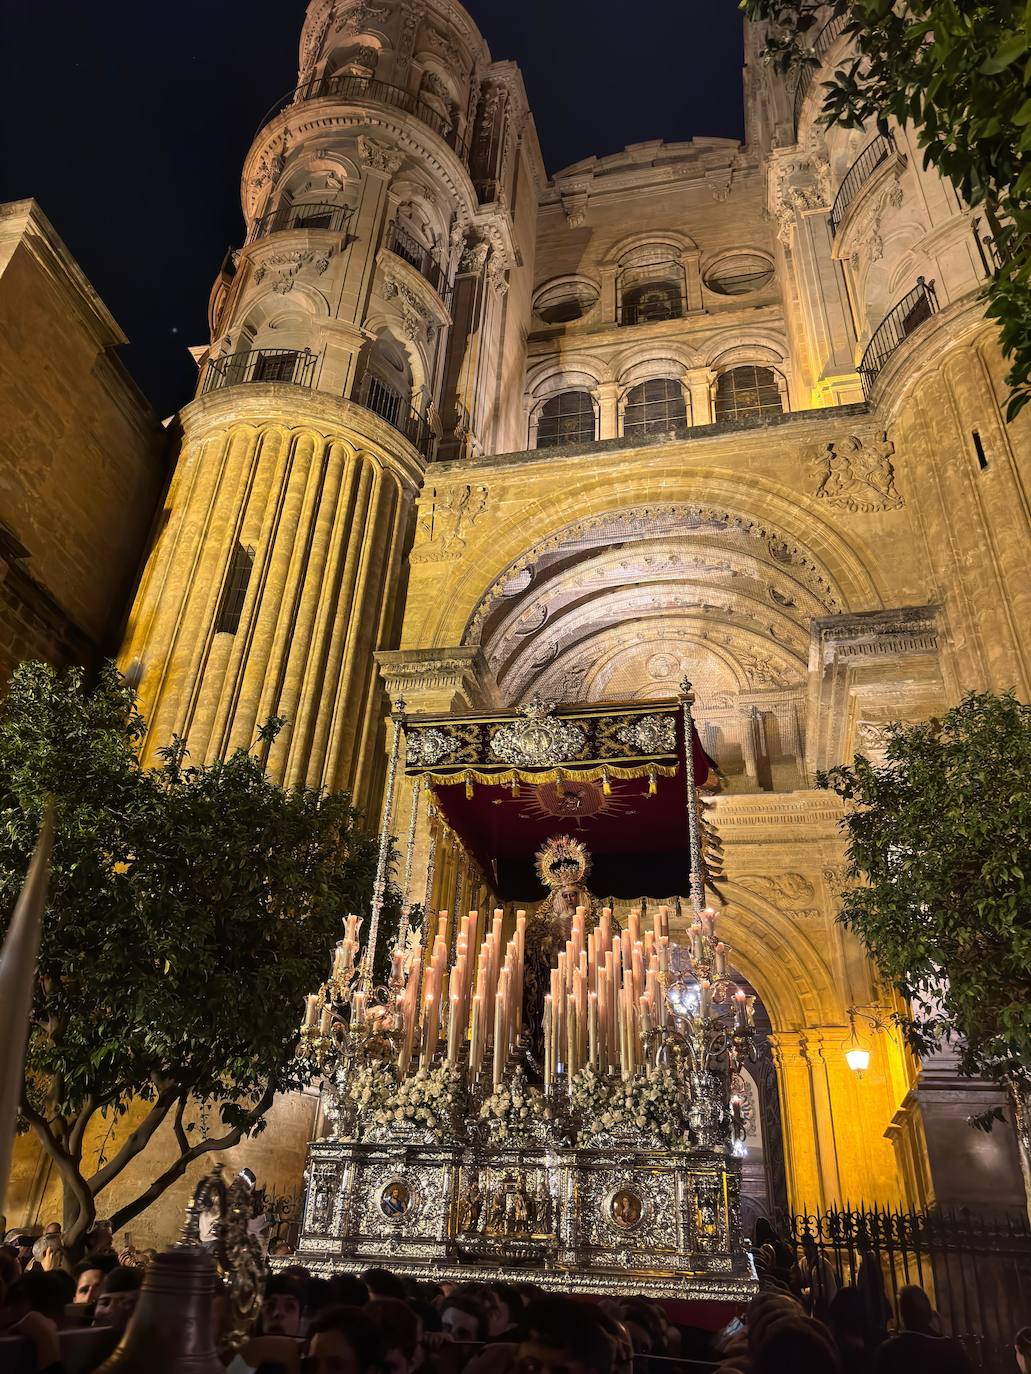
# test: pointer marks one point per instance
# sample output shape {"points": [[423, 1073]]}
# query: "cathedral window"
{"points": [[567, 418], [234, 593], [653, 407], [651, 301], [748, 390]]}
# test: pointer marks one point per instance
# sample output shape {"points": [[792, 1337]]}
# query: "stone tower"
{"points": [[359, 330]]}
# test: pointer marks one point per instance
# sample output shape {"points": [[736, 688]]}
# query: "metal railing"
{"points": [[821, 46], [320, 216], [407, 246], [353, 89], [975, 1269], [398, 412], [858, 174], [901, 321], [648, 312], [291, 365]]}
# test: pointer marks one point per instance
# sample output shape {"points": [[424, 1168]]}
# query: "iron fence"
{"points": [[391, 406], [975, 1269], [858, 174], [292, 365], [417, 255], [302, 216], [902, 320], [350, 89]]}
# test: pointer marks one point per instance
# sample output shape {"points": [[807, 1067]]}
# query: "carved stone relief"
{"points": [[283, 269], [380, 157], [792, 892], [855, 476], [444, 526]]}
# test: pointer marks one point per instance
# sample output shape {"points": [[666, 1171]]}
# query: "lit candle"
{"points": [[741, 998], [721, 960], [453, 1028], [549, 1054], [397, 966], [311, 1011], [592, 1029], [499, 1037], [705, 998], [326, 1023]]}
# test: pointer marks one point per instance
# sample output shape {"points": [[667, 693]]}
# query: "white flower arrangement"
{"points": [[640, 1106], [428, 1101], [514, 1108]]}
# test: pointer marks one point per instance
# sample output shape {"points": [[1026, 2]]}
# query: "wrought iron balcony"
{"points": [[407, 246], [821, 46], [398, 412], [901, 321], [882, 147], [303, 216], [292, 365], [356, 89]]}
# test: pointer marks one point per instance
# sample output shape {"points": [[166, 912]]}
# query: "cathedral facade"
{"points": [[466, 433]]}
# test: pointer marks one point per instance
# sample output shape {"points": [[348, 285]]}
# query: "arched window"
{"points": [[654, 407], [747, 390], [650, 301], [567, 418]]}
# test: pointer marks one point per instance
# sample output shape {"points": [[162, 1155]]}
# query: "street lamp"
{"points": [[858, 1058]]}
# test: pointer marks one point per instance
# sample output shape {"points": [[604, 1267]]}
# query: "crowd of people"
{"points": [[803, 1320]]}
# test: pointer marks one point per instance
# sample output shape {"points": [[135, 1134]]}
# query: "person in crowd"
{"points": [[381, 1283], [877, 1312], [847, 1321], [280, 1249], [99, 1239], [1022, 1349], [47, 1252], [402, 1339], [89, 1274], [778, 1254], [345, 1340], [463, 1319], [281, 1308], [118, 1296], [348, 1290], [564, 1337], [53, 1228], [813, 1280], [920, 1348]]}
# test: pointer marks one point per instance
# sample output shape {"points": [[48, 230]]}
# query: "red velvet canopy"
{"points": [[612, 775]]}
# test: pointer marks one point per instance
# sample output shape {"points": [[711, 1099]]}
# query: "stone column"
{"points": [[699, 383], [608, 406]]}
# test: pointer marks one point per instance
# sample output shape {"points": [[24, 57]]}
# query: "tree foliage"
{"points": [[959, 71], [190, 910], [938, 836]]}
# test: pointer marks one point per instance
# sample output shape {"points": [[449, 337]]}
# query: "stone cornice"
{"points": [[295, 407], [777, 818]]}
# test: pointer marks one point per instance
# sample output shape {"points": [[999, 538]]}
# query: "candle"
{"points": [[705, 998], [358, 1009], [549, 1054], [454, 1027], [311, 1004], [592, 1029], [741, 998], [499, 1033], [397, 966], [326, 1023], [721, 960]]}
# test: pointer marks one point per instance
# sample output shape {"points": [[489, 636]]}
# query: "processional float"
{"points": [[542, 1094]]}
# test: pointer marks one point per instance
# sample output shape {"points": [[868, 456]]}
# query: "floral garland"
{"points": [[645, 1106], [428, 1100], [514, 1108]]}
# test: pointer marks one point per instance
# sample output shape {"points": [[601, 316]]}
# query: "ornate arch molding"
{"points": [[684, 243], [849, 584]]}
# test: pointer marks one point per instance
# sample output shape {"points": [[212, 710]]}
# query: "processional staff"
{"points": [[696, 880], [379, 886]]}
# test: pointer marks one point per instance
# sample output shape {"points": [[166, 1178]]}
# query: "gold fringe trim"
{"points": [[535, 777]]}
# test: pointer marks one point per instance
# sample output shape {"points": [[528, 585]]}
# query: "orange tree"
{"points": [[190, 909]]}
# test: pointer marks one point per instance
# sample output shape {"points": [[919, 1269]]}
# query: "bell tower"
{"points": [[356, 336]]}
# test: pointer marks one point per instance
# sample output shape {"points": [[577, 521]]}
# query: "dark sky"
{"points": [[128, 120]]}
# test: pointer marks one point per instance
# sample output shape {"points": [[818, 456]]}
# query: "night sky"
{"points": [[128, 120]]}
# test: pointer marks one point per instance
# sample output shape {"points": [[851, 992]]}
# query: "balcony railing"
{"points": [[901, 321], [333, 217], [407, 246], [822, 45], [355, 89], [859, 174], [292, 365], [396, 409], [648, 312]]}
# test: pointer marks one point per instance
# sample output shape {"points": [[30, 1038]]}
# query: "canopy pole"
{"points": [[696, 880], [402, 933], [379, 886]]}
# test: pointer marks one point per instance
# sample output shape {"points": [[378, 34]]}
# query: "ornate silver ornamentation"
{"points": [[649, 735], [424, 748], [237, 1254], [539, 740]]}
